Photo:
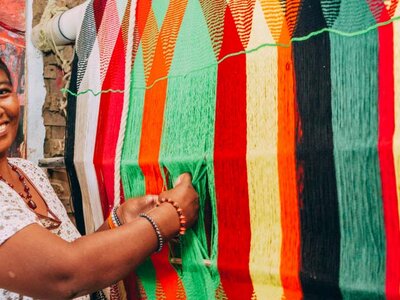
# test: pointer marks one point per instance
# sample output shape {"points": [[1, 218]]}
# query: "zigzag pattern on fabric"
{"points": [[259, 47], [285, 112]]}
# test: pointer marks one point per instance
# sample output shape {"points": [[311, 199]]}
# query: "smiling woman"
{"points": [[35, 228], [12, 51], [9, 111]]}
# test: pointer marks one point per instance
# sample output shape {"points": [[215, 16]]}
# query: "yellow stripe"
{"points": [[274, 16], [396, 137], [262, 165]]}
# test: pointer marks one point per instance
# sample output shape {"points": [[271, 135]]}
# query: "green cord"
{"points": [[295, 39]]}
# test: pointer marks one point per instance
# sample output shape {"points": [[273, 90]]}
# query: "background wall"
{"points": [[52, 113]]}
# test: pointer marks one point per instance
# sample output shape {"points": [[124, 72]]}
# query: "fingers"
{"points": [[143, 202], [133, 207], [183, 178], [150, 199]]}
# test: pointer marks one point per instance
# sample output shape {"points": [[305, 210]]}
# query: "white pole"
{"points": [[64, 27], [35, 93]]}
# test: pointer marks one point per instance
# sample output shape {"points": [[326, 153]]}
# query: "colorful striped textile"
{"points": [[287, 115]]}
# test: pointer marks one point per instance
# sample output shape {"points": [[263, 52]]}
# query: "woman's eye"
{"points": [[5, 91]]}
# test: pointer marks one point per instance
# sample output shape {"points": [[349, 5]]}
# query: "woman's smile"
{"points": [[3, 128]]}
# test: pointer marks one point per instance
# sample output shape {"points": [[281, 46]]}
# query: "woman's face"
{"points": [[9, 114]]}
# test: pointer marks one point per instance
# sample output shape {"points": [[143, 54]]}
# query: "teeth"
{"points": [[3, 127]]}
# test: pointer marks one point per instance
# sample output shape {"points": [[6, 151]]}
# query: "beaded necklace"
{"points": [[27, 197], [48, 222]]}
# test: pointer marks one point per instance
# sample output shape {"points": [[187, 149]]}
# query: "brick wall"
{"points": [[54, 111]]}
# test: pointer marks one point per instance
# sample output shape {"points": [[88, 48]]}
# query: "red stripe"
{"points": [[287, 117], [131, 288], [165, 275], [385, 149], [108, 125], [98, 10], [230, 168]]}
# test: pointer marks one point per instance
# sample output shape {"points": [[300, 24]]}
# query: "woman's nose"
{"points": [[2, 110]]}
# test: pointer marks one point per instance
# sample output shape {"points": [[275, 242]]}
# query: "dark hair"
{"points": [[4, 67]]}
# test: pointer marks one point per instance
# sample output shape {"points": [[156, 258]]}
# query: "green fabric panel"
{"points": [[354, 67], [131, 174], [188, 139], [147, 276], [160, 9], [354, 15]]}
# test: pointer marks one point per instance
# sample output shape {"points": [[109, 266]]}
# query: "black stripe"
{"points": [[69, 150], [319, 216]]}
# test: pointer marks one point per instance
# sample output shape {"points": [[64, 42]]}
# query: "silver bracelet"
{"points": [[117, 222], [160, 238]]}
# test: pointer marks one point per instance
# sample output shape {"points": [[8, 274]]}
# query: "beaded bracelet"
{"points": [[182, 218], [113, 220], [160, 238]]}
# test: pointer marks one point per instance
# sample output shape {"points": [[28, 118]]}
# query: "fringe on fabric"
{"points": [[285, 112]]}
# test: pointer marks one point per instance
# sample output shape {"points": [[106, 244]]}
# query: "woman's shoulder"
{"points": [[27, 166], [21, 162]]}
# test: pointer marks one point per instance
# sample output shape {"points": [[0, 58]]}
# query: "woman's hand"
{"points": [[185, 195], [131, 208]]}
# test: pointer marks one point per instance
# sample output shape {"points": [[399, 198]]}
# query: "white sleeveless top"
{"points": [[15, 214]]}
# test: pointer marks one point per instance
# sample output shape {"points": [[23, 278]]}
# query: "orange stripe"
{"points": [[143, 14], [290, 251], [153, 115], [149, 44]]}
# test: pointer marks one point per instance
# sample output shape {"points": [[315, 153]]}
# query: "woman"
{"points": [[42, 254]]}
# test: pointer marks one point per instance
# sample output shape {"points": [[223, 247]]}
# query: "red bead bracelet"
{"points": [[182, 218]]}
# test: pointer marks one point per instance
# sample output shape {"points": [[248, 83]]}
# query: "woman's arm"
{"points": [[38, 263]]}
